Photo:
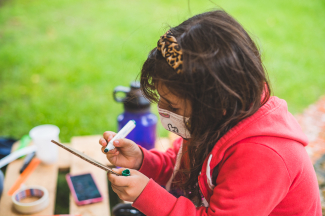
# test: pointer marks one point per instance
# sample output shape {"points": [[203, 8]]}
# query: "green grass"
{"points": [[60, 60]]}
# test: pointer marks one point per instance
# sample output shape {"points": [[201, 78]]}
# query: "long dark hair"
{"points": [[223, 77]]}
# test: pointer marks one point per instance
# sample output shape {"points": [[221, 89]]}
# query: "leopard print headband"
{"points": [[171, 51]]}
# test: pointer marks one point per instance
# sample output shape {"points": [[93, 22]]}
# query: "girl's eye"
{"points": [[163, 105], [167, 106], [172, 108]]}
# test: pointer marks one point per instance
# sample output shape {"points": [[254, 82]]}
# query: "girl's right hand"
{"points": [[126, 153]]}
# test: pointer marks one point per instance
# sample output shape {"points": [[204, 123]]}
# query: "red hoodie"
{"points": [[261, 166]]}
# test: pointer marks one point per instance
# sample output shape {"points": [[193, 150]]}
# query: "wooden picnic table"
{"points": [[46, 176]]}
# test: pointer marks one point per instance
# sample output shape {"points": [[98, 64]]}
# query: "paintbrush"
{"points": [[85, 157]]}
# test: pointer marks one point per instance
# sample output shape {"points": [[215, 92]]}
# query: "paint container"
{"points": [[42, 135]]}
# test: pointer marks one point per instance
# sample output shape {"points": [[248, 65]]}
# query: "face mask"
{"points": [[174, 123]]}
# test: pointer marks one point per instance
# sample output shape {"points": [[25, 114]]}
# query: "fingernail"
{"points": [[110, 137], [116, 142]]}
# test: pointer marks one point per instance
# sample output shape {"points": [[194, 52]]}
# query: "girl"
{"points": [[240, 153]]}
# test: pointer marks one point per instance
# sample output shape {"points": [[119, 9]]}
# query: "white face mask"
{"points": [[174, 123]]}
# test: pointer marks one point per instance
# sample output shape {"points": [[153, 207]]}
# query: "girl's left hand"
{"points": [[128, 188]]}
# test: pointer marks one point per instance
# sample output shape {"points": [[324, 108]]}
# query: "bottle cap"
{"points": [[133, 101]]}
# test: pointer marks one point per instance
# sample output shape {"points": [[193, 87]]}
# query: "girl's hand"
{"points": [[128, 188], [126, 152]]}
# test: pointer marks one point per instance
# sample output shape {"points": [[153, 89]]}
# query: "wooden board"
{"points": [[89, 145], [43, 175], [64, 160]]}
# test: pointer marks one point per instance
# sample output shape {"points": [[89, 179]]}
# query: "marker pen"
{"points": [[121, 134], [27, 160]]}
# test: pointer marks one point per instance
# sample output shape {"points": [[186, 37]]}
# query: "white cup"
{"points": [[42, 135]]}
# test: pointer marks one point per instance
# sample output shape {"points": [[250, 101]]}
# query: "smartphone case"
{"points": [[73, 192]]}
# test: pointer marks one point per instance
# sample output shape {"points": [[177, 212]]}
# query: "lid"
{"points": [[134, 99]]}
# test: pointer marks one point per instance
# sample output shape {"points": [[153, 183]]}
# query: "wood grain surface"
{"points": [[89, 145], [43, 175]]}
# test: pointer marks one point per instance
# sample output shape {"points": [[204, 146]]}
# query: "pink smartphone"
{"points": [[83, 189]]}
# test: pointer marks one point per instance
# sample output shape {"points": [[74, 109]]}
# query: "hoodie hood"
{"points": [[273, 120]]}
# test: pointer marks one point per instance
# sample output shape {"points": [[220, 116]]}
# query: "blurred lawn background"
{"points": [[60, 60]]}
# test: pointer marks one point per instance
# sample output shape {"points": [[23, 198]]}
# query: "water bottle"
{"points": [[137, 107]]}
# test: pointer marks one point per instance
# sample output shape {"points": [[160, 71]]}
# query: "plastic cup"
{"points": [[42, 135]]}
